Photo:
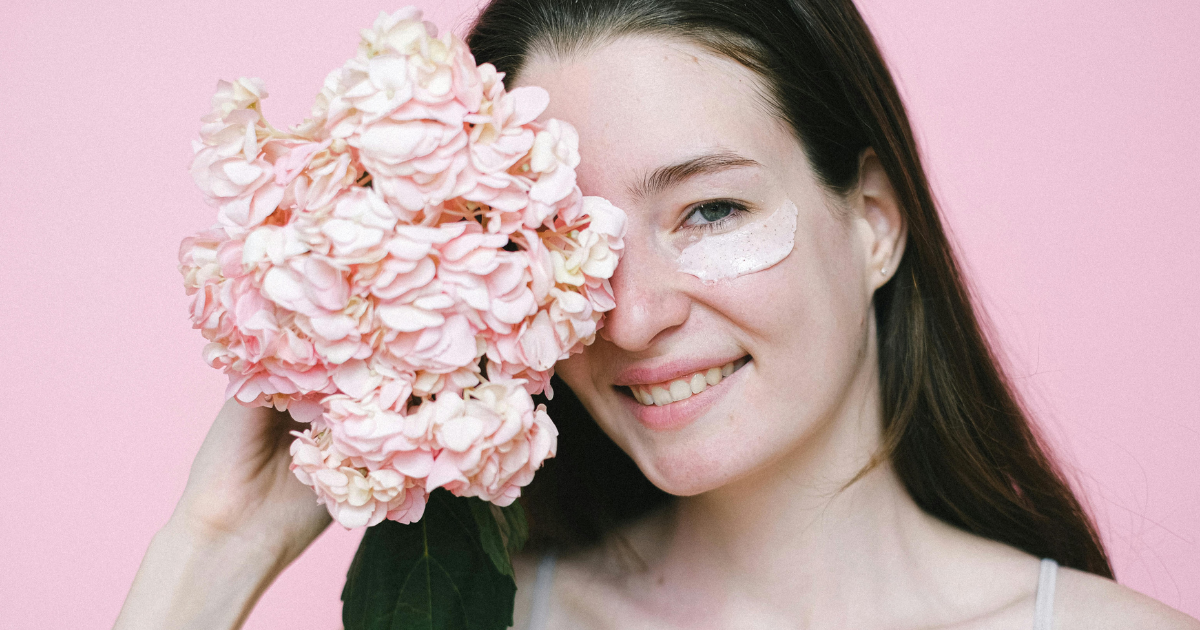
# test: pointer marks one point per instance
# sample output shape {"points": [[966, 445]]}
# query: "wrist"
{"points": [[199, 541], [259, 540]]}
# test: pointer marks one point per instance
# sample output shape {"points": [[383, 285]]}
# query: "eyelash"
{"points": [[736, 210]]}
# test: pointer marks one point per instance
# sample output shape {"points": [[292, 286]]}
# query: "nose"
{"points": [[649, 300]]}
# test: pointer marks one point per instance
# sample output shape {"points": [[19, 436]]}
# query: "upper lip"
{"points": [[662, 371]]}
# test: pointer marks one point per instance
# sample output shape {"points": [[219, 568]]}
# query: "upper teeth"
{"points": [[661, 394]]}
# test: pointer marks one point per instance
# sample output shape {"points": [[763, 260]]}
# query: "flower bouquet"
{"points": [[401, 271]]}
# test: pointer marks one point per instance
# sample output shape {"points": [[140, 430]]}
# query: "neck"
{"points": [[798, 512]]}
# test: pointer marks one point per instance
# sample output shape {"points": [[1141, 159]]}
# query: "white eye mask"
{"points": [[752, 247]]}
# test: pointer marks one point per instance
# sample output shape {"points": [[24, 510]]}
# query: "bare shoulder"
{"points": [[1083, 600]]}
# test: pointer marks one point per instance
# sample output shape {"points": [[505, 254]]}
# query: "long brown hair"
{"points": [[954, 430]]}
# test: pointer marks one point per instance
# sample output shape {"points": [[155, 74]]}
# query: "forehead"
{"points": [[642, 102]]}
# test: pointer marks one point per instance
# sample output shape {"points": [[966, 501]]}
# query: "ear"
{"points": [[881, 220]]}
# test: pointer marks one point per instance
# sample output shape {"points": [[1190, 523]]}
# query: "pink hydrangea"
{"points": [[490, 443], [355, 495], [228, 166], [402, 102], [402, 271]]}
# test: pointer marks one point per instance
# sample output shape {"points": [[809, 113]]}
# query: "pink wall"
{"points": [[1063, 139]]}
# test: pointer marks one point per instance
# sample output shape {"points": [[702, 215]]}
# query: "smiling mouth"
{"points": [[660, 394]]}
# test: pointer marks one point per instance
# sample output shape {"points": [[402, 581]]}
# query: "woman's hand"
{"points": [[242, 518], [240, 485]]}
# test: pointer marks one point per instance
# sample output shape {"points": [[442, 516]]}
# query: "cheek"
{"points": [[819, 332], [816, 323], [806, 324], [576, 373], [815, 292]]}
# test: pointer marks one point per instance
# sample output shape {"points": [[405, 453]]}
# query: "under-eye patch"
{"points": [[750, 248]]}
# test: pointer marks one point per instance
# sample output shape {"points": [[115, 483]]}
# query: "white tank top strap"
{"points": [[542, 585], [1043, 613], [1043, 607]]}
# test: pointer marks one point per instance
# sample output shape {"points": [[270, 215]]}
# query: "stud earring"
{"points": [[883, 271]]}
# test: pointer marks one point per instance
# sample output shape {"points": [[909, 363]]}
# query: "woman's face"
{"points": [[682, 141]]}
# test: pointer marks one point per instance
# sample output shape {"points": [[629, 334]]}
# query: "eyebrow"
{"points": [[664, 177]]}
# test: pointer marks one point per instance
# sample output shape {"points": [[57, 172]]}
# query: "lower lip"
{"points": [[679, 414]]}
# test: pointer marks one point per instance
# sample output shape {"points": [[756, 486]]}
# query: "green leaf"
{"points": [[503, 531], [435, 574], [490, 536], [513, 525]]}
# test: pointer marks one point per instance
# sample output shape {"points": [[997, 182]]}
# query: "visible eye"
{"points": [[709, 215]]}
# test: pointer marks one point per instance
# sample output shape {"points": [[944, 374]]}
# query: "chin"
{"points": [[690, 467]]}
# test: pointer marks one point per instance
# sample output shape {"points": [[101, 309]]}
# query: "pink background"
{"points": [[1063, 139]]}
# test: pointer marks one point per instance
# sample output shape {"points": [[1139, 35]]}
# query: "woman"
{"points": [[786, 427]]}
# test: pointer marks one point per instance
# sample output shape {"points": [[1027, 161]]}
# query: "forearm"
{"points": [[191, 582]]}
